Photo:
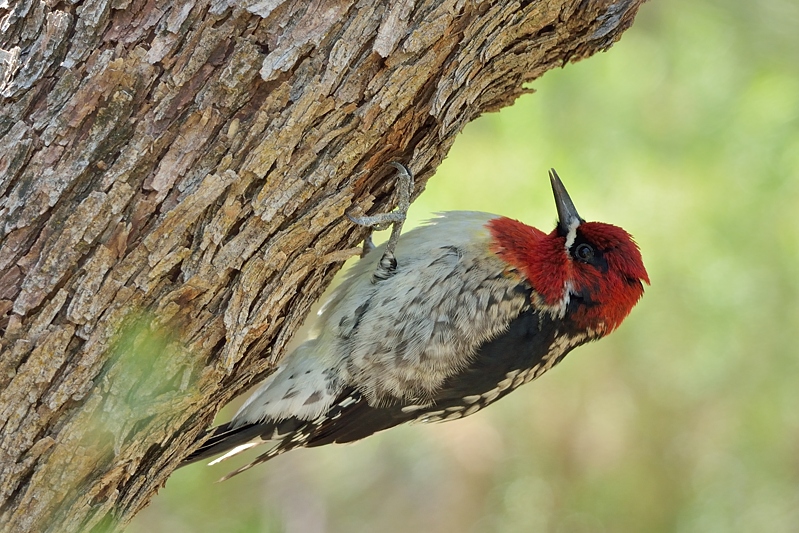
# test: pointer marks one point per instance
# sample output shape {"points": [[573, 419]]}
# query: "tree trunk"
{"points": [[174, 178]]}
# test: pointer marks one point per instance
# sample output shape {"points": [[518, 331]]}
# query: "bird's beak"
{"points": [[568, 218]]}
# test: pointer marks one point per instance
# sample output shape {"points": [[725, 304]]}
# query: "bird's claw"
{"points": [[388, 263]]}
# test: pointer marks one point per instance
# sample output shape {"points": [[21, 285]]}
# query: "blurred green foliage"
{"points": [[686, 133]]}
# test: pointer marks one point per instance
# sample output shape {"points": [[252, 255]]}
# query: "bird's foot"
{"points": [[388, 262]]}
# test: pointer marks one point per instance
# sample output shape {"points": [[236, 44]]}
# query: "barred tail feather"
{"points": [[225, 439], [230, 439], [276, 450]]}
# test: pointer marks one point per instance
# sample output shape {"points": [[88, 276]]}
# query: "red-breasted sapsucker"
{"points": [[438, 323]]}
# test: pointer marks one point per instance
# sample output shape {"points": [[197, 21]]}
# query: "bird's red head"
{"points": [[591, 272]]}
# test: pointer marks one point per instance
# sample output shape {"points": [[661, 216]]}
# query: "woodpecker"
{"points": [[438, 323]]}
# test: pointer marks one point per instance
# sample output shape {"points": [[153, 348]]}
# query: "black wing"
{"points": [[526, 350]]}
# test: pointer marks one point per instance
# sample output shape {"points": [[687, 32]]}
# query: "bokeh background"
{"points": [[686, 419]]}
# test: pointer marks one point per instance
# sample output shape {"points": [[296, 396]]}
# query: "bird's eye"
{"points": [[584, 252]]}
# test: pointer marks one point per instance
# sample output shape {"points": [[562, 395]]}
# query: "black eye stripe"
{"points": [[585, 252]]}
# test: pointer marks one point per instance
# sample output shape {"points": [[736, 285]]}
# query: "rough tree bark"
{"points": [[173, 183]]}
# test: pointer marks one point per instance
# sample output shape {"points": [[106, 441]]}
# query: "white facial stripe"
{"points": [[572, 235], [564, 302]]}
